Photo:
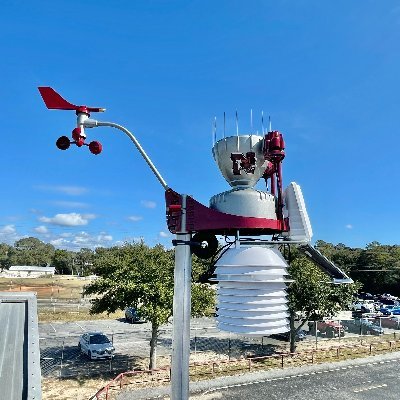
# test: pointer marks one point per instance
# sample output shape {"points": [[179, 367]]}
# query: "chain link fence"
{"points": [[60, 356]]}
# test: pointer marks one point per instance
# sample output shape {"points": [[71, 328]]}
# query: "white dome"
{"points": [[252, 256]]}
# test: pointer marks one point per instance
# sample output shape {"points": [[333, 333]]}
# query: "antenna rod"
{"points": [[215, 130], [224, 123], [237, 124], [270, 124], [251, 120], [262, 121]]}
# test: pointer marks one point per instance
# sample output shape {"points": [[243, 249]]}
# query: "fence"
{"points": [[204, 370], [61, 358]]}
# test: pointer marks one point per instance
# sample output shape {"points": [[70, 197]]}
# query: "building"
{"points": [[28, 271], [20, 375]]}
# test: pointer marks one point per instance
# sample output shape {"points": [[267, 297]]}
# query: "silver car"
{"points": [[96, 345]]}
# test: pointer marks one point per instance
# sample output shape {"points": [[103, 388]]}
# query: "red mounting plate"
{"points": [[200, 218]]}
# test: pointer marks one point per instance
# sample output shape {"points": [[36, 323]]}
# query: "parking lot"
{"points": [[60, 355]]}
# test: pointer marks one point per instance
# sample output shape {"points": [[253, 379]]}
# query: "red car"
{"points": [[327, 328], [389, 322]]}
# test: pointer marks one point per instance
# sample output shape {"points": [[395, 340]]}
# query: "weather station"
{"points": [[250, 271]]}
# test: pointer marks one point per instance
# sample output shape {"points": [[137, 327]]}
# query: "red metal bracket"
{"points": [[200, 218]]}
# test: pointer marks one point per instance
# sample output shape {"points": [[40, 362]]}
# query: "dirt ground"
{"points": [[57, 287], [67, 389]]}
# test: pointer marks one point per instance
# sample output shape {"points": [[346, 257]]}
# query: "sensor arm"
{"points": [[91, 123], [54, 101]]}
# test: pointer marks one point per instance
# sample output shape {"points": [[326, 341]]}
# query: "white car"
{"points": [[96, 345], [366, 306]]}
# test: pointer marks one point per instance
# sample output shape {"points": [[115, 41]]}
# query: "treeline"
{"points": [[377, 267], [32, 251]]}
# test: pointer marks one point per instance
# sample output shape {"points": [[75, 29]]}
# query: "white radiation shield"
{"points": [[251, 296]]}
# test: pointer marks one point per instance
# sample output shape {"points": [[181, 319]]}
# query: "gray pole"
{"points": [[181, 313], [182, 281], [316, 334]]}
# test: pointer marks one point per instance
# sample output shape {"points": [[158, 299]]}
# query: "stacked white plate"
{"points": [[251, 292]]}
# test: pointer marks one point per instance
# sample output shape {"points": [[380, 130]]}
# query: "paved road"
{"points": [[367, 382], [372, 378]]}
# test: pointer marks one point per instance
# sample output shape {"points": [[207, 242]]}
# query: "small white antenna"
{"points": [[270, 124], [251, 120], [212, 135], [215, 130], [224, 124], [237, 125], [262, 121]]}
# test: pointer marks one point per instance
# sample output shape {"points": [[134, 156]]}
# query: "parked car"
{"points": [[386, 310], [388, 302], [300, 335], [388, 296], [132, 316], [365, 306], [328, 328], [389, 322], [96, 345], [395, 310], [365, 296], [363, 326]]}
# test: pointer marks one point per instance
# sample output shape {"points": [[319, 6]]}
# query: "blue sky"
{"points": [[327, 73]]}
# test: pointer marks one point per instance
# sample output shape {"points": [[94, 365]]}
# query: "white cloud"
{"points": [[148, 204], [135, 218], [70, 204], [8, 230], [349, 226], [65, 234], [69, 190], [41, 229], [82, 239], [71, 219], [13, 218], [163, 234], [60, 242], [8, 234]]}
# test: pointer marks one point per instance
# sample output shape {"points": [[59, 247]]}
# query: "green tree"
{"points": [[378, 268], [5, 256], [31, 251], [62, 261], [313, 295], [83, 261], [143, 277]]}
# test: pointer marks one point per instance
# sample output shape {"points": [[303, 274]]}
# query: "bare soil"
{"points": [[67, 389], [57, 287]]}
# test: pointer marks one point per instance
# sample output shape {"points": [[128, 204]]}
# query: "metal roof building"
{"points": [[28, 271], [20, 377]]}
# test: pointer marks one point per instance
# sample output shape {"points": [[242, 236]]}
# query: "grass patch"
{"points": [[216, 369], [47, 315]]}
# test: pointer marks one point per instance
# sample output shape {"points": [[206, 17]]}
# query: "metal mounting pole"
{"points": [[182, 282], [92, 123], [181, 313]]}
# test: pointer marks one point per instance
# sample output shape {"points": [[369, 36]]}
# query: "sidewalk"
{"points": [[209, 386]]}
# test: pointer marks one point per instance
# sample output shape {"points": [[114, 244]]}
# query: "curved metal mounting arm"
{"points": [[91, 123]]}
